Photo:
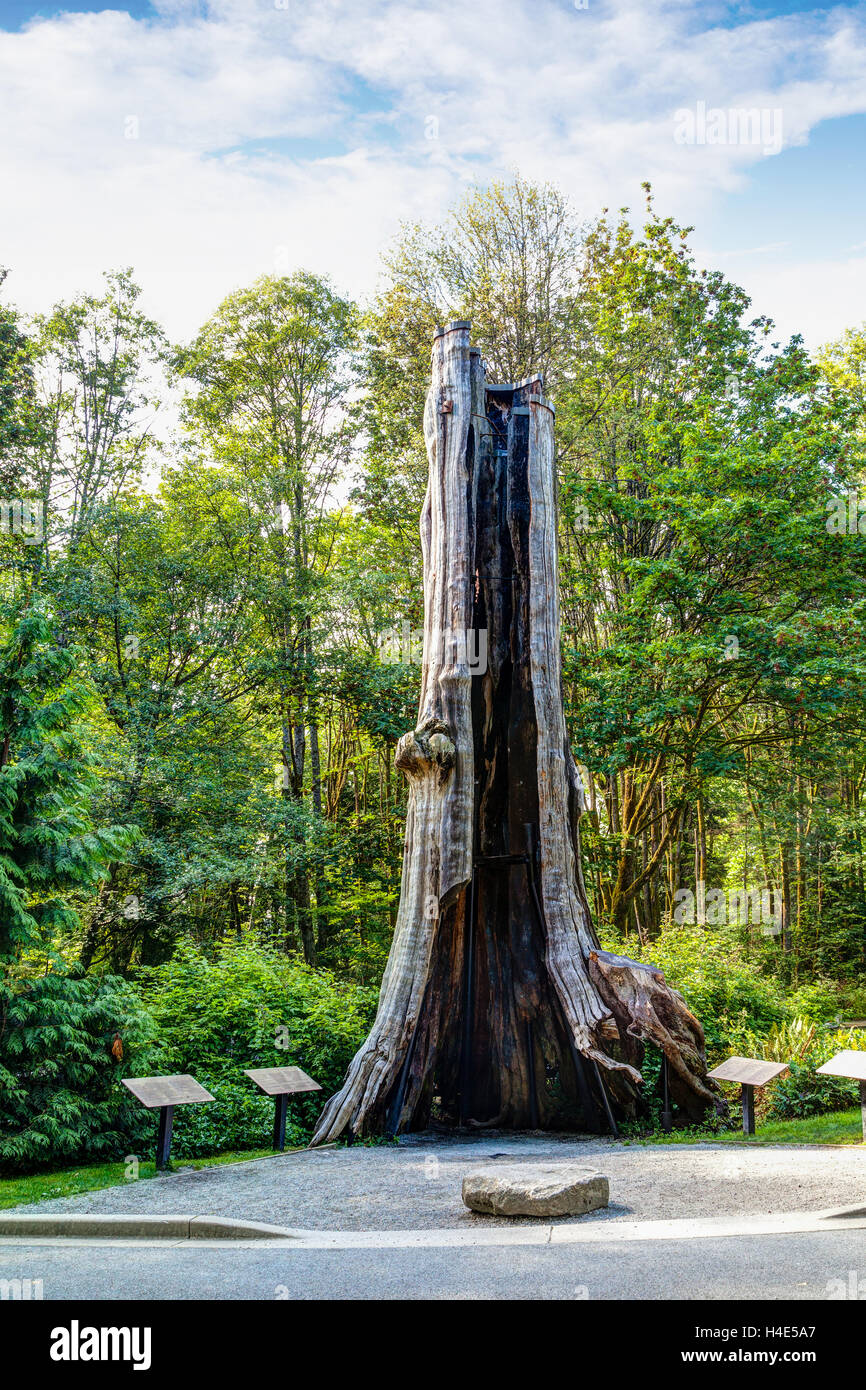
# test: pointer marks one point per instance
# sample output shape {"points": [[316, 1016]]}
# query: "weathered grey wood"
{"points": [[647, 1010], [495, 981], [569, 932], [437, 756]]}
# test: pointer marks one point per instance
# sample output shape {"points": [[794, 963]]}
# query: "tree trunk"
{"points": [[299, 920], [497, 1004]]}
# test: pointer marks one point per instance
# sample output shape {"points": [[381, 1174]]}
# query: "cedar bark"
{"points": [[498, 1007]]}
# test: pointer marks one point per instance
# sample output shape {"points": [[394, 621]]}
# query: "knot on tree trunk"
{"points": [[426, 748]]}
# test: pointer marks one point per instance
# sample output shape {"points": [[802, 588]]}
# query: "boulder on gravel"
{"points": [[535, 1189]]}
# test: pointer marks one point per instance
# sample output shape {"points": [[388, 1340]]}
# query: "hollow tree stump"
{"points": [[498, 1007]]}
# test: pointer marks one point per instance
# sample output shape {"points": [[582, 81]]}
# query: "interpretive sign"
{"points": [[164, 1093], [281, 1082], [749, 1072], [278, 1081], [853, 1066], [156, 1091]]}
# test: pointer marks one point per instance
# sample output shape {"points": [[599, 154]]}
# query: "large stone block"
{"points": [[535, 1189]]}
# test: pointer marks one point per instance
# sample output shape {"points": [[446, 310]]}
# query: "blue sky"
{"points": [[14, 14], [208, 141]]}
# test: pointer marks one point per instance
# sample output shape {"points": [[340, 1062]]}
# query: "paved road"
{"points": [[692, 1222], [795, 1265]]}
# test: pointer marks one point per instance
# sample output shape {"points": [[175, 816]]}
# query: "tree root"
{"points": [[647, 1010]]}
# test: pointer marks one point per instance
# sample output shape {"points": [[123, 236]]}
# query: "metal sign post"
{"points": [[164, 1093], [667, 1114], [749, 1072], [163, 1135], [282, 1105], [747, 1097], [853, 1066], [281, 1082]]}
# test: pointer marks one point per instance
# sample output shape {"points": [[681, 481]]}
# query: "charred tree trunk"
{"points": [[497, 1007]]}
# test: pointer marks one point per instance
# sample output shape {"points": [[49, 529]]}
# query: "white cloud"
{"points": [[817, 298], [271, 137]]}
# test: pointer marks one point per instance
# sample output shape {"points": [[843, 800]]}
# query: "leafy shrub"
{"points": [[820, 1000], [747, 1013], [855, 1001], [60, 1094], [803, 1092], [789, 1042], [723, 990], [250, 1008]]}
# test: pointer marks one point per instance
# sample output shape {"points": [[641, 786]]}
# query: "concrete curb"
{"points": [[212, 1232], [75, 1224]]}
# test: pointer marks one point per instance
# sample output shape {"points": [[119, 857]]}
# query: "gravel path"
{"points": [[416, 1183]]}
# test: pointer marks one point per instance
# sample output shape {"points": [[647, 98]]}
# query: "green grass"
{"points": [[840, 1127], [15, 1192]]}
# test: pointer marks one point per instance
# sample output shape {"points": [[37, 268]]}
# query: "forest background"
{"points": [[210, 620]]}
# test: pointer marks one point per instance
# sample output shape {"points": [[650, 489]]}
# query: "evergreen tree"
{"points": [[49, 848]]}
